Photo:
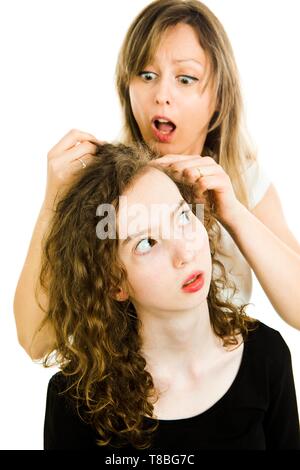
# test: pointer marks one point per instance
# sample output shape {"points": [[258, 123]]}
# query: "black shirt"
{"points": [[258, 412]]}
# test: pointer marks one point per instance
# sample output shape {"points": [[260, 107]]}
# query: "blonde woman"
{"points": [[180, 94]]}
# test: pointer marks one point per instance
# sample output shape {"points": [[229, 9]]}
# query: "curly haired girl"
{"points": [[151, 356]]}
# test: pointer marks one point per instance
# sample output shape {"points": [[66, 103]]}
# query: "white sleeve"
{"points": [[257, 182]]}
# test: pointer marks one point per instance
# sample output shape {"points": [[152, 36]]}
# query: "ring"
{"points": [[82, 163]]}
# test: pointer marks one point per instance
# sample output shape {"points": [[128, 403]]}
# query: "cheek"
{"points": [[208, 253], [144, 285], [202, 243], [136, 98], [133, 100], [199, 106], [143, 276]]}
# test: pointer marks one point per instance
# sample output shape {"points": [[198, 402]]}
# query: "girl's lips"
{"points": [[196, 285]]}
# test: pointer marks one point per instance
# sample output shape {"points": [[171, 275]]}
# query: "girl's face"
{"points": [[162, 243], [169, 92]]}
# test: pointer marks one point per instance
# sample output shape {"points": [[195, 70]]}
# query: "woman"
{"points": [[153, 361], [180, 94]]}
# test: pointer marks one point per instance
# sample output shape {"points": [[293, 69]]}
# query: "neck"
{"points": [[179, 340]]}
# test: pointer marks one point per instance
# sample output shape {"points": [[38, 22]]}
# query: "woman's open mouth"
{"points": [[163, 129]]}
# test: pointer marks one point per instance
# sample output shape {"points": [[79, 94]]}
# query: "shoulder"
{"points": [[257, 181], [267, 336], [58, 383], [65, 427], [268, 345], [58, 392], [60, 403]]}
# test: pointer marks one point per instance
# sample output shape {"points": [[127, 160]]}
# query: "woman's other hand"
{"points": [[203, 173], [69, 155]]}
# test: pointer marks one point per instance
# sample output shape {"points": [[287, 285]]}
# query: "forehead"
{"points": [[148, 204], [152, 187], [180, 41]]}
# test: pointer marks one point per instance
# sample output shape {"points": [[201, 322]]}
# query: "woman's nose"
{"points": [[163, 93]]}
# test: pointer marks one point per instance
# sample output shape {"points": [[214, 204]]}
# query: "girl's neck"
{"points": [[180, 340]]}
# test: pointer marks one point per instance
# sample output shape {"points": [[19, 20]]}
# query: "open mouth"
{"points": [[163, 129], [164, 126]]}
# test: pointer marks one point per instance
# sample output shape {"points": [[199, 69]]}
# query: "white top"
{"points": [[236, 266]]}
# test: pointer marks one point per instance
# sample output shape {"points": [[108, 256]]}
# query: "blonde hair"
{"points": [[227, 140]]}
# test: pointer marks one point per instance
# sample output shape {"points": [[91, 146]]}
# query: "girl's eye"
{"points": [[147, 76], [185, 217], [187, 79], [144, 246]]}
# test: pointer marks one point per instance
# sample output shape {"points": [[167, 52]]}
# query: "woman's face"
{"points": [[171, 89], [172, 245]]}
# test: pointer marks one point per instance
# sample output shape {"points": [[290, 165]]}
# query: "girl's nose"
{"points": [[184, 252]]}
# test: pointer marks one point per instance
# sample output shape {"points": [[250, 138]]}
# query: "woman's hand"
{"points": [[68, 156], [203, 173]]}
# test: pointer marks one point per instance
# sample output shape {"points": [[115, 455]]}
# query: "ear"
{"points": [[121, 295]]}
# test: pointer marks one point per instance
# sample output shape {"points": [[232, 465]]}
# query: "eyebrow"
{"points": [[189, 60], [135, 235]]}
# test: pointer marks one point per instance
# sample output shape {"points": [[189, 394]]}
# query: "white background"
{"points": [[57, 72]]}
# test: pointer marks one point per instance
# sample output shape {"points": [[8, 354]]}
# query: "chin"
{"points": [[164, 149]]}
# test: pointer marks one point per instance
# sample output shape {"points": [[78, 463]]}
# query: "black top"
{"points": [[259, 410]]}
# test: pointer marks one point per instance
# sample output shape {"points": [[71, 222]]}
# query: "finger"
{"points": [[99, 142], [82, 162], [86, 151], [199, 197], [81, 150], [76, 136], [196, 172], [211, 182], [184, 175], [169, 159], [209, 166], [193, 174], [196, 165], [178, 166], [71, 138]]}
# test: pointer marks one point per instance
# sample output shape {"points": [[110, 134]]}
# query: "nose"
{"points": [[184, 252], [163, 92]]}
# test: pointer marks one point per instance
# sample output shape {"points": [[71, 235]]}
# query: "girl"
{"points": [[151, 357], [179, 91]]}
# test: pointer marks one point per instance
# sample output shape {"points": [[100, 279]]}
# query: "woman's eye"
{"points": [[145, 245], [147, 76], [185, 217], [187, 79]]}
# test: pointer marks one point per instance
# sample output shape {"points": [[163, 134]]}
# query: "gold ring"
{"points": [[82, 163]]}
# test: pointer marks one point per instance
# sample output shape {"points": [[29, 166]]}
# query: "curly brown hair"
{"points": [[98, 345]]}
